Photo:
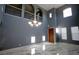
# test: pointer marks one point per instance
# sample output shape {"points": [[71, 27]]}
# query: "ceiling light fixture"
{"points": [[35, 22]]}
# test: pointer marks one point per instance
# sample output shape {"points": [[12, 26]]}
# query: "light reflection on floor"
{"points": [[32, 51], [57, 53], [44, 49]]}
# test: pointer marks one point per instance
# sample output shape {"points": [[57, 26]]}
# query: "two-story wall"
{"points": [[17, 32]]}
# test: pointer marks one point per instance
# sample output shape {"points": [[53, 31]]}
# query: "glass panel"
{"points": [[57, 30], [75, 33], [33, 39], [29, 8], [17, 5], [64, 33], [28, 15], [29, 11], [50, 15], [43, 38], [39, 14], [14, 9], [67, 12]]}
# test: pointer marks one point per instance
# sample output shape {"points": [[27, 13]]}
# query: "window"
{"points": [[14, 9], [75, 33], [43, 38], [33, 39], [57, 30], [64, 33], [39, 14], [50, 15], [29, 11], [67, 12]]}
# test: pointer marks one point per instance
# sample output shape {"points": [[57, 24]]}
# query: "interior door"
{"points": [[51, 35]]}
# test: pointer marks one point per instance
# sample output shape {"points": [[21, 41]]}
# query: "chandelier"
{"points": [[35, 22]]}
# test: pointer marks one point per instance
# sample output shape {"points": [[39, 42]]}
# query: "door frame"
{"points": [[54, 34]]}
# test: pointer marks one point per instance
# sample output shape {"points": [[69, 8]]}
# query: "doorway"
{"points": [[51, 35]]}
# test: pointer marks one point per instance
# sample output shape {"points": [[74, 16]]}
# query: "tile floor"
{"points": [[44, 49]]}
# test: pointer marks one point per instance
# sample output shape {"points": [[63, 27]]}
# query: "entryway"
{"points": [[51, 35]]}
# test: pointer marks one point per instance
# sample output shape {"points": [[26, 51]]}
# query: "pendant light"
{"points": [[35, 22]]}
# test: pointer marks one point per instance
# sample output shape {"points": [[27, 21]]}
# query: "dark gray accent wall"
{"points": [[17, 32], [1, 12], [69, 21], [1, 17], [52, 21], [60, 21]]}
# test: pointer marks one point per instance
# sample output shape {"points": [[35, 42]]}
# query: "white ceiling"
{"points": [[50, 6]]}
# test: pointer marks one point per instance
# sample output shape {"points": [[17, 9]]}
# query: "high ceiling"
{"points": [[50, 6]]}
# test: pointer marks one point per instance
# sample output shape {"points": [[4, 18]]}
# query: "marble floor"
{"points": [[44, 49]]}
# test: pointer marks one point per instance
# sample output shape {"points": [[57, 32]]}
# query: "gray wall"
{"points": [[68, 22], [17, 32], [1, 12], [1, 17], [60, 22], [52, 21]]}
